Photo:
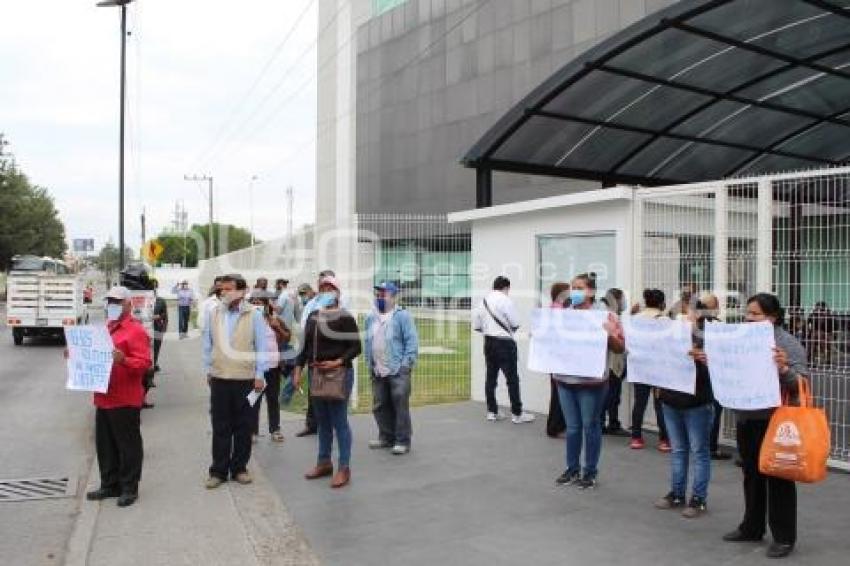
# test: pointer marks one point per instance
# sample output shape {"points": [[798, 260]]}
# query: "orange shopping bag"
{"points": [[797, 442]]}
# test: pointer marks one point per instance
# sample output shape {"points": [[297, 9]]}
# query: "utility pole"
{"points": [[251, 207], [144, 239], [290, 200], [123, 5], [209, 179]]}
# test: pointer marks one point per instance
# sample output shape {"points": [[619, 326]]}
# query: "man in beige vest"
{"points": [[235, 333]]}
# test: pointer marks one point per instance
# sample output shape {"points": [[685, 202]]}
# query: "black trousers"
{"points": [[501, 354], [642, 394], [157, 346], [118, 441], [310, 422], [555, 423], [232, 423], [764, 495], [715, 427], [272, 395], [612, 401], [183, 319]]}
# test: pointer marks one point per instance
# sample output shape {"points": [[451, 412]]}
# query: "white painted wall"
{"points": [[505, 243]]}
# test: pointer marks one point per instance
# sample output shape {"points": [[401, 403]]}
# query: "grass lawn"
{"points": [[442, 374]]}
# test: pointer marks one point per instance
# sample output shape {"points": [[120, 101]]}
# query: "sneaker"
{"points": [[493, 417], [127, 499], [244, 478], [379, 445], [568, 478], [523, 418], [587, 482], [277, 436], [213, 482], [664, 446], [617, 431], [670, 501], [695, 508], [103, 493], [637, 444], [400, 449]]}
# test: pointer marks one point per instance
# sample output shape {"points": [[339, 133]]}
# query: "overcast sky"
{"points": [[191, 65]]}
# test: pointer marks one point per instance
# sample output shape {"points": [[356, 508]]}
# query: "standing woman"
{"points": [[689, 419], [331, 341], [555, 425], [765, 495], [583, 398], [277, 335]]}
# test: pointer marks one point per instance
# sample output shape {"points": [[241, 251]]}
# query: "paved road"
{"points": [[44, 431]]}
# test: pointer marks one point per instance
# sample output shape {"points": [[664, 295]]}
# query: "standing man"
{"points": [[118, 435], [262, 284], [234, 335], [185, 298], [211, 302], [304, 296], [392, 347], [496, 318], [160, 324]]}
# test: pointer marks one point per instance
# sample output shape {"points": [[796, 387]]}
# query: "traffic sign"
{"points": [[152, 250]]}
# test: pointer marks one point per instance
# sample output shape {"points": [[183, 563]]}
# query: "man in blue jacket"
{"points": [[392, 347]]}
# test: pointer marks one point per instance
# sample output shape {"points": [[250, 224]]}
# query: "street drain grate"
{"points": [[32, 489]]}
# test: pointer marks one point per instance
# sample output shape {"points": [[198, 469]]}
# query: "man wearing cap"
{"points": [[392, 347], [118, 435], [232, 338], [185, 298]]}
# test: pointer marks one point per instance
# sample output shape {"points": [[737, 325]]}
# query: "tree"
{"points": [[107, 259], [226, 238], [29, 221]]}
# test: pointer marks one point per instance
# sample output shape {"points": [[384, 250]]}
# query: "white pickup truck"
{"points": [[42, 297]]}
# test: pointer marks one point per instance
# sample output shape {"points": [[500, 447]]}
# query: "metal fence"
{"points": [[428, 258], [789, 234]]}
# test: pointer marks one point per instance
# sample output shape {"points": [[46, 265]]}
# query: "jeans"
{"points": [[764, 495], [232, 421], [690, 430], [333, 416], [501, 354], [582, 406], [391, 407], [642, 393], [118, 440], [612, 402], [272, 395], [183, 319]]}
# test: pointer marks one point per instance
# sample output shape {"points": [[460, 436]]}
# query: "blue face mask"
{"points": [[577, 296], [324, 300], [381, 305], [113, 312]]}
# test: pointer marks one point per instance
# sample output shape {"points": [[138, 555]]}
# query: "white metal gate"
{"points": [[788, 234]]}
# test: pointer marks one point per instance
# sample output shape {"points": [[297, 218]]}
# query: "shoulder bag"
{"points": [[326, 384]]}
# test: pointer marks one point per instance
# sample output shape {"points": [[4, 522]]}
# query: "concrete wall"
{"points": [[427, 90], [508, 243]]}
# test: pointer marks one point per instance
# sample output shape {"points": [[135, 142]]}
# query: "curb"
{"points": [[79, 545]]}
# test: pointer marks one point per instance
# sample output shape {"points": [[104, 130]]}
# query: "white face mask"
{"points": [[113, 312]]}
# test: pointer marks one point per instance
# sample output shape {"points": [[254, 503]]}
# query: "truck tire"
{"points": [[18, 336]]}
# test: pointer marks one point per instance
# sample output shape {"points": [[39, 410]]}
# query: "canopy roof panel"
{"points": [[704, 89]]}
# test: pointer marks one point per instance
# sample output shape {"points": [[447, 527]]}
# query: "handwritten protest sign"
{"points": [[89, 358], [740, 362], [658, 353], [568, 342]]}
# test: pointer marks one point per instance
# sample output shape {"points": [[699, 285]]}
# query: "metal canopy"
{"points": [[702, 90]]}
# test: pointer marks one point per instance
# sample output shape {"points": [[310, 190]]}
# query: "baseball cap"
{"points": [[303, 288], [388, 286], [329, 280], [118, 293]]}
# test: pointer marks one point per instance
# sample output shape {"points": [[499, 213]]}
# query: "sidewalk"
{"points": [[176, 520]]}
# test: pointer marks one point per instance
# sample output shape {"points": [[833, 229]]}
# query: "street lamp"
{"points": [[123, 5], [251, 206]]}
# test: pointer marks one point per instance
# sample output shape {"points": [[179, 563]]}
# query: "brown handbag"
{"points": [[327, 384]]}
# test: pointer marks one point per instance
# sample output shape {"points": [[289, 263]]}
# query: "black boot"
{"points": [[103, 493]]}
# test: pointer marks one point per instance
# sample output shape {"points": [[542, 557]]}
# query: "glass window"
{"points": [[563, 256]]}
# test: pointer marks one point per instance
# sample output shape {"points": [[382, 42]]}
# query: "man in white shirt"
{"points": [[210, 303], [496, 318]]}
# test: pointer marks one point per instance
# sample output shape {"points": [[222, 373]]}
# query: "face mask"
{"points": [[113, 312], [381, 305], [326, 299], [230, 298], [577, 296]]}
